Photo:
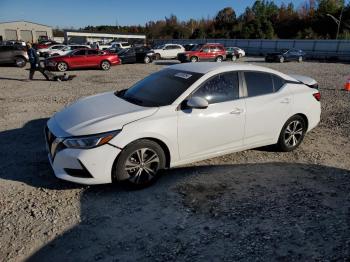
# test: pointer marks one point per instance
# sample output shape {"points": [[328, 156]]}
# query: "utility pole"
{"points": [[337, 21]]}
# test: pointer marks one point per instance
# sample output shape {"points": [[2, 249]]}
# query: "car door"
{"points": [[268, 106], [130, 56], [78, 59], [204, 54], [167, 52], [6, 54], [92, 57], [217, 128]]}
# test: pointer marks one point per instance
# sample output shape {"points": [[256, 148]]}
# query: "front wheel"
{"points": [[219, 59], [139, 164], [194, 59], [105, 65], [62, 66], [292, 133]]}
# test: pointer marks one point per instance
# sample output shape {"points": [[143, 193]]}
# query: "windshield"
{"points": [[197, 47], [159, 89]]}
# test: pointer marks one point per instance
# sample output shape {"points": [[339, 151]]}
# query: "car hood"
{"points": [[97, 114]]}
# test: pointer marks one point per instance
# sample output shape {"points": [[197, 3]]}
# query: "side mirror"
{"points": [[197, 102]]}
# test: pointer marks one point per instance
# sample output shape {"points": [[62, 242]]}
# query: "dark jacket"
{"points": [[33, 57]]}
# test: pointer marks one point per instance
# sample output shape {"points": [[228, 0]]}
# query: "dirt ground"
{"points": [[256, 205]]}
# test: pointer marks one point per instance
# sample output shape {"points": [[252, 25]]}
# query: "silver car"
{"points": [[13, 54]]}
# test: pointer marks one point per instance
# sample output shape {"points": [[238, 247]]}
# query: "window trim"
{"points": [[273, 84], [240, 90]]}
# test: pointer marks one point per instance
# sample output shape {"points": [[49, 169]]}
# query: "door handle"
{"points": [[285, 101], [237, 111]]}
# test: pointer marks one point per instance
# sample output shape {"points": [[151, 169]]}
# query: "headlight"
{"points": [[85, 142]]}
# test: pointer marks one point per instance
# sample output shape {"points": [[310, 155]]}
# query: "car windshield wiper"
{"points": [[133, 100]]}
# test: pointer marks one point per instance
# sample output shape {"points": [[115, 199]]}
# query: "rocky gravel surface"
{"points": [[256, 205]]}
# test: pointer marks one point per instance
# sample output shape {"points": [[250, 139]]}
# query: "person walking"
{"points": [[34, 62]]}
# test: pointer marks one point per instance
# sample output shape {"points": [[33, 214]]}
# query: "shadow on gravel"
{"points": [[166, 62], [251, 212], [23, 157]]}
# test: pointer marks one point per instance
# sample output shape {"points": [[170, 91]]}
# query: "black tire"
{"points": [[140, 174], [147, 60], [219, 59], [20, 61], [105, 65], [294, 127], [62, 66], [194, 59], [157, 56]]}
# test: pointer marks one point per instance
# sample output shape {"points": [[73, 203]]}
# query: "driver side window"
{"points": [[220, 88]]}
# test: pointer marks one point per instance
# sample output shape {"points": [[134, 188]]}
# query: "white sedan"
{"points": [[181, 114]]}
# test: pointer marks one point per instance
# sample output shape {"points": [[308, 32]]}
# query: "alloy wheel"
{"points": [[293, 133], [105, 65], [62, 67], [142, 165]]}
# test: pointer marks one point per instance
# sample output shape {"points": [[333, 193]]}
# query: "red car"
{"points": [[204, 52], [83, 58], [44, 44]]}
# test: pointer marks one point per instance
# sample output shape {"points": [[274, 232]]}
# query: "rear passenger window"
{"points": [[277, 82], [258, 83], [221, 88]]}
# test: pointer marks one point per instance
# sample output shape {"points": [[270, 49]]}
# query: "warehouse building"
{"points": [[23, 30], [80, 37]]}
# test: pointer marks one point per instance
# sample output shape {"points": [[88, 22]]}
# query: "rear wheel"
{"points": [[62, 66], [20, 62], [194, 59], [292, 133], [139, 163], [219, 59], [147, 60], [105, 65]]}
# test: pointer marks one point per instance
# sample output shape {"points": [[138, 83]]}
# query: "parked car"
{"points": [[83, 58], [44, 44], [286, 55], [204, 52], [45, 52], [136, 55], [121, 45], [67, 49], [176, 116], [237, 50], [189, 47], [13, 54], [168, 51]]}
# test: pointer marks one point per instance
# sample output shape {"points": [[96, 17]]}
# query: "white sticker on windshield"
{"points": [[183, 75]]}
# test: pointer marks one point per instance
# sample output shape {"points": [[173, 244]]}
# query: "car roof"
{"points": [[206, 67]]}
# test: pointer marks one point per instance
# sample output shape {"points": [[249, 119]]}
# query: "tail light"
{"points": [[317, 96]]}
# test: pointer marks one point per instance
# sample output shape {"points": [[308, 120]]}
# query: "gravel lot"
{"points": [[257, 205]]}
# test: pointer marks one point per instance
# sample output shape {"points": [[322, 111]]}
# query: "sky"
{"points": [[80, 13]]}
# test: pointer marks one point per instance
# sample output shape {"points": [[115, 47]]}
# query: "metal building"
{"points": [[23, 30], [80, 37]]}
